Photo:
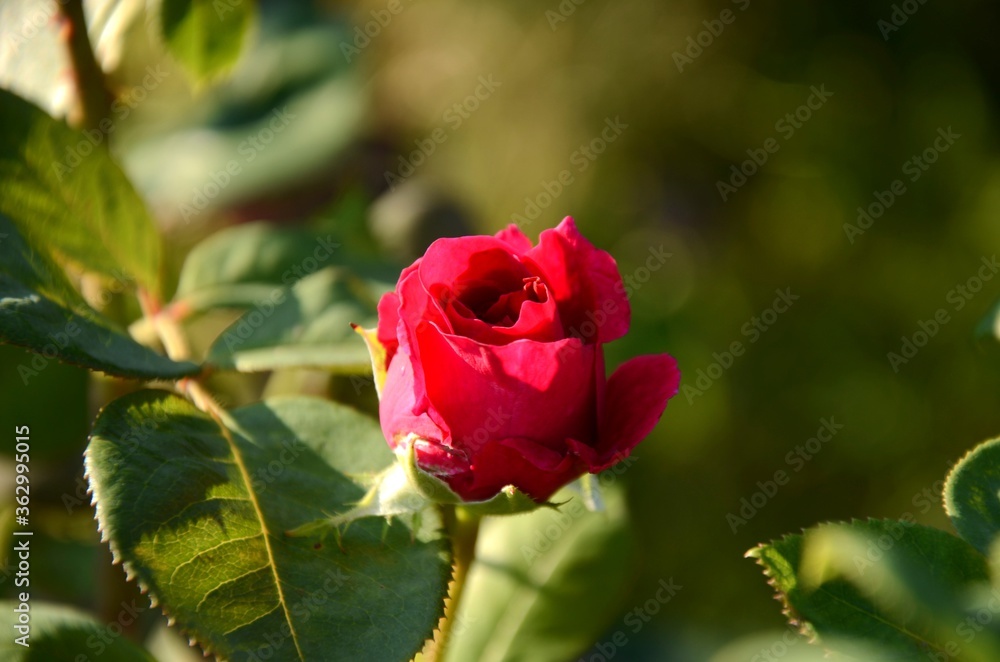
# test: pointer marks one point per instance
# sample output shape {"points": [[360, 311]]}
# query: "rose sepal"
{"points": [[508, 501], [404, 489], [588, 489], [378, 354]]}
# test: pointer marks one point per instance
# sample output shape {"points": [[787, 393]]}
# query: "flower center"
{"points": [[499, 306]]}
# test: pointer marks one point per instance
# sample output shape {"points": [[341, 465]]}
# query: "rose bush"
{"points": [[494, 363]]}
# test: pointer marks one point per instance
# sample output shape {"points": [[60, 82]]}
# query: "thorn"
{"points": [[340, 542]]}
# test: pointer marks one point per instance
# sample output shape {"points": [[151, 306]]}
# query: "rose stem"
{"points": [[94, 101], [464, 530]]}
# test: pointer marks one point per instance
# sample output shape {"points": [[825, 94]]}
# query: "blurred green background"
{"points": [[550, 77]]}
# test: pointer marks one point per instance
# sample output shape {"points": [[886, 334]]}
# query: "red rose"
{"points": [[495, 362]]}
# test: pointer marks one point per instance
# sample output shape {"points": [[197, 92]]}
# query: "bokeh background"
{"points": [[535, 85]]}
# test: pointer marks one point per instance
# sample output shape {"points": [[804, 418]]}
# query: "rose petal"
{"points": [[512, 236], [585, 283], [637, 393], [472, 262], [539, 391], [399, 411], [469, 275], [388, 319], [416, 307], [531, 467], [537, 320]]}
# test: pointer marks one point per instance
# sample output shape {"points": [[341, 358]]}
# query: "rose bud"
{"points": [[494, 363]]}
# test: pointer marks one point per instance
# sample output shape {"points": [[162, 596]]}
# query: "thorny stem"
{"points": [[463, 529], [166, 326], [176, 346], [92, 93]]}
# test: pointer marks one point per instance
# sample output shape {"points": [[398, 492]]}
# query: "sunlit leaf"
{"points": [[309, 324], [900, 585], [972, 495], [196, 510], [206, 36], [41, 311], [546, 585], [68, 198], [58, 632]]}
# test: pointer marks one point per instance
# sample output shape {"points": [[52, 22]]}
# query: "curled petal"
{"points": [[585, 282], [526, 389], [636, 396]]}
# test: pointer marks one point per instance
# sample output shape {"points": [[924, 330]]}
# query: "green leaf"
{"points": [[240, 265], [206, 36], [988, 329], [68, 198], [546, 585], [308, 325], [363, 455], [59, 632], [780, 645], [405, 489], [900, 585], [196, 511], [972, 495], [41, 311]]}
